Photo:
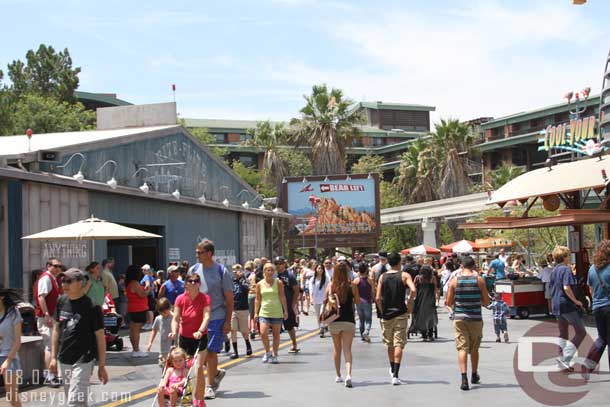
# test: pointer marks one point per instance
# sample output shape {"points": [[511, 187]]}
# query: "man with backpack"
{"points": [[217, 283]]}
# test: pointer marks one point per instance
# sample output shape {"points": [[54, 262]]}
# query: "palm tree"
{"points": [[409, 166], [453, 138], [328, 126], [503, 174], [270, 137]]}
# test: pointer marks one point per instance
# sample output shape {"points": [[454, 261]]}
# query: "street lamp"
{"points": [[144, 187], [78, 177], [225, 201], [111, 182]]}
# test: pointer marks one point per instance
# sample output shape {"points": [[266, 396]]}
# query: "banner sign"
{"points": [[577, 136], [332, 207]]}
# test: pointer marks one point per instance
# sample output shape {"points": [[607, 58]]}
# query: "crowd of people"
{"points": [[197, 311]]}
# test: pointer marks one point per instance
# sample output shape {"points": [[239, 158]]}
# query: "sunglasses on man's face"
{"points": [[68, 280], [193, 281]]}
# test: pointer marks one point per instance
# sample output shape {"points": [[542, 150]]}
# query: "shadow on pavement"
{"points": [[243, 395]]}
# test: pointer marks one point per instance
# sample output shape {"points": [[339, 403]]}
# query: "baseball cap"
{"points": [[341, 258], [172, 268], [383, 255], [73, 273], [279, 260], [146, 267]]}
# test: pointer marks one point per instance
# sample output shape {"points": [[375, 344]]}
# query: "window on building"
{"points": [[378, 141], [248, 160], [220, 137], [357, 142], [519, 156], [245, 137]]}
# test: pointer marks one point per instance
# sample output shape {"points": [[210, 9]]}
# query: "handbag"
{"points": [[330, 312], [602, 283]]}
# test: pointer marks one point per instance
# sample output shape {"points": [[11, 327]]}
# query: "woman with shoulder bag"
{"points": [[599, 282], [343, 295]]}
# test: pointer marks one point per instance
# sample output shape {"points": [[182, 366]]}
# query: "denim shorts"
{"points": [[573, 318], [216, 338], [271, 321], [14, 366]]}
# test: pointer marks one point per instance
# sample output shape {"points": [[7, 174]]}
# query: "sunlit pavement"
{"points": [[429, 372]]}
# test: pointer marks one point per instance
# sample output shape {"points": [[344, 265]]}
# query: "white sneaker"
{"points": [[348, 382], [396, 381], [338, 379], [274, 360], [266, 357]]}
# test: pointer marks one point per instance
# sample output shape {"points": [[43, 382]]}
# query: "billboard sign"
{"points": [[333, 210]]}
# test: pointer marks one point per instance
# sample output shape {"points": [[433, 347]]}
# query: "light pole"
{"points": [[315, 202]]}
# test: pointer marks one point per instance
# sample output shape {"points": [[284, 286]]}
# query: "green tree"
{"points": [[368, 164], [453, 138], [6, 108], [270, 137], [204, 137], [254, 179], [395, 238], [410, 166], [45, 72], [327, 125], [389, 195], [503, 174], [45, 114], [296, 163]]}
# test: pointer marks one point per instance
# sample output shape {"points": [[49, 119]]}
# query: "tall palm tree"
{"points": [[408, 168], [270, 137], [327, 125], [453, 138]]}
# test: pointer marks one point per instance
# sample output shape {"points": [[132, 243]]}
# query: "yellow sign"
{"points": [[562, 135]]}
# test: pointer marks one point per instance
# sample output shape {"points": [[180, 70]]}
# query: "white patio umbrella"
{"points": [[92, 229], [463, 247]]}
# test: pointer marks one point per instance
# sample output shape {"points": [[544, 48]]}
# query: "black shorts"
{"points": [[138, 317], [291, 321], [192, 345], [152, 304]]}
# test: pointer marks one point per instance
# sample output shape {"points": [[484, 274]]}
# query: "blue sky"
{"points": [[255, 59]]}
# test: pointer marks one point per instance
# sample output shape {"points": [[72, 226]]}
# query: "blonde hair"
{"points": [[268, 266], [249, 265], [560, 253], [175, 354]]}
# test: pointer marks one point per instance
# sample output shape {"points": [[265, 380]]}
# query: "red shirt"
{"points": [[192, 313]]}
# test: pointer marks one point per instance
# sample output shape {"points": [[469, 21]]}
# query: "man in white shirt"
{"points": [[503, 257], [328, 267]]}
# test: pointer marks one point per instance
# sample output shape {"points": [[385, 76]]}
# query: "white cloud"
{"points": [[478, 60]]}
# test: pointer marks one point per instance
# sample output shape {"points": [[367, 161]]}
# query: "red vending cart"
{"points": [[524, 296]]}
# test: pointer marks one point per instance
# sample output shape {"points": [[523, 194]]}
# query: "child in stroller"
{"points": [[175, 378], [112, 323]]}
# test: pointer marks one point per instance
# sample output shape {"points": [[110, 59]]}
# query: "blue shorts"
{"points": [[216, 338], [271, 321]]}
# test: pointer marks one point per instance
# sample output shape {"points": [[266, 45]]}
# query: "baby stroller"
{"points": [[186, 396], [112, 324]]}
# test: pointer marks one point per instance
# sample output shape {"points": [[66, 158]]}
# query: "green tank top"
{"points": [[271, 307]]}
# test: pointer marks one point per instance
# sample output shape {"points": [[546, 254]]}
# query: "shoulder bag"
{"points": [[330, 312]]}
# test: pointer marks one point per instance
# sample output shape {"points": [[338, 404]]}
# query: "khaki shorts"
{"points": [[394, 331], [468, 335], [45, 332], [335, 328], [239, 320]]}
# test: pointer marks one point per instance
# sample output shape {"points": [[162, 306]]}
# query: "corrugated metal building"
{"points": [[190, 194]]}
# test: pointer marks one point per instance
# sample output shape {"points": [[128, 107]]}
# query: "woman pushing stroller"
{"points": [[190, 328]]}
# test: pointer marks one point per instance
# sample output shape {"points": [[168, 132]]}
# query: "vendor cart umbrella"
{"points": [[463, 246], [92, 229], [421, 250]]}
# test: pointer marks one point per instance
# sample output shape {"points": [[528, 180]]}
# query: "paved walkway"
{"points": [[429, 370]]}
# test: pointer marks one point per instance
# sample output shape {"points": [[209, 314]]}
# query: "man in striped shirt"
{"points": [[467, 293]]}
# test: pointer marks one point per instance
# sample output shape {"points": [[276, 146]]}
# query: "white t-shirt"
{"points": [[504, 259], [45, 285], [329, 273]]}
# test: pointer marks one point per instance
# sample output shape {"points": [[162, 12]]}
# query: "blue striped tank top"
{"points": [[467, 299]]}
